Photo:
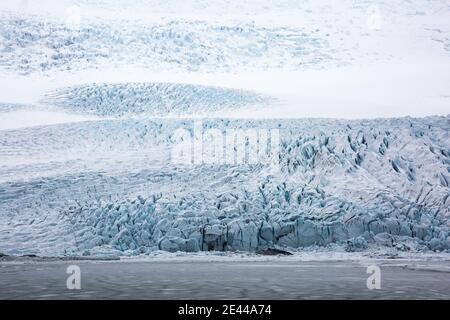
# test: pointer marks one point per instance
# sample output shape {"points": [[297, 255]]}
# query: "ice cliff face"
{"points": [[357, 183]]}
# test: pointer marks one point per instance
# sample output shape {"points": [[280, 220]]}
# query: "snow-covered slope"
{"points": [[159, 36], [152, 99], [30, 45]]}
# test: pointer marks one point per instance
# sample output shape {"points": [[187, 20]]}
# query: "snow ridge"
{"points": [[35, 45], [152, 99]]}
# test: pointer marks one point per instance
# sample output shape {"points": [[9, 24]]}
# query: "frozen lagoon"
{"points": [[226, 278]]}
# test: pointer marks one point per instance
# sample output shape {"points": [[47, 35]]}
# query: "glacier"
{"points": [[89, 116], [32, 45], [357, 183], [152, 99]]}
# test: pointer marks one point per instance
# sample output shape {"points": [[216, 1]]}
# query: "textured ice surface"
{"points": [[108, 185], [152, 99], [8, 107], [361, 182], [184, 36]]}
